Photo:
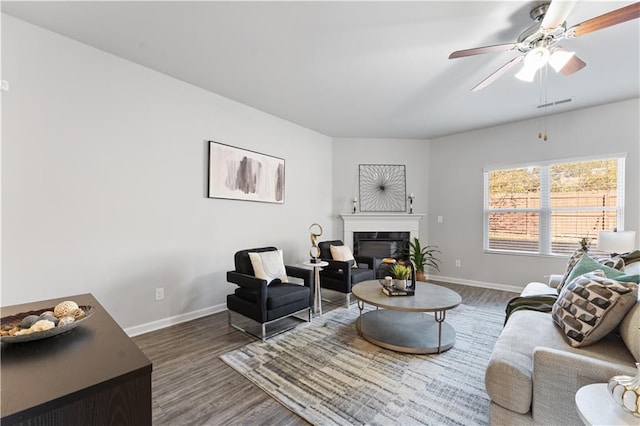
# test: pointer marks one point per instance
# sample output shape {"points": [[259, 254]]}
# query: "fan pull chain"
{"points": [[542, 134]]}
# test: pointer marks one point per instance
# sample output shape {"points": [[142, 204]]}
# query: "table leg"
{"points": [[360, 308], [317, 296], [439, 317]]}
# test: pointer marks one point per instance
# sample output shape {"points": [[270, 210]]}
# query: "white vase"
{"points": [[401, 284], [625, 391]]}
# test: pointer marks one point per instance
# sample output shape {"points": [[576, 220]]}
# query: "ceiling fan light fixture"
{"points": [[537, 58], [559, 59], [527, 74]]}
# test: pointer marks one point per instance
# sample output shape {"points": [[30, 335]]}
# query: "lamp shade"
{"points": [[616, 242]]}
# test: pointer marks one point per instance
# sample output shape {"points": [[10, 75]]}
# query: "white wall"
{"points": [[349, 153], [104, 177], [456, 189]]}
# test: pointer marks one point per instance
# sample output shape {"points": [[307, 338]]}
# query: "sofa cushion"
{"points": [[630, 331], [591, 306], [278, 294]]}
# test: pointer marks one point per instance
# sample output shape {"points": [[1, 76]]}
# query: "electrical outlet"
{"points": [[458, 263], [439, 219], [159, 293]]}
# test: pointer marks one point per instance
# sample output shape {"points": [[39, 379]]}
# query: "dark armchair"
{"points": [[262, 302], [340, 275]]}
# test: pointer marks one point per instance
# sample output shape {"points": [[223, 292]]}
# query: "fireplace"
{"points": [[381, 244], [380, 235], [381, 224]]}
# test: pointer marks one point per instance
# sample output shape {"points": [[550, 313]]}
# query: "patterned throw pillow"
{"points": [[591, 306], [269, 265], [631, 257], [571, 263]]}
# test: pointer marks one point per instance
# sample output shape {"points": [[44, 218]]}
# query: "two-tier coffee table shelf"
{"points": [[411, 324]]}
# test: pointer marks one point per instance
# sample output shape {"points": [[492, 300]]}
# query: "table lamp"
{"points": [[616, 242]]}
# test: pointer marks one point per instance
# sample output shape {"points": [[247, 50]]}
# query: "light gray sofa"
{"points": [[533, 373]]}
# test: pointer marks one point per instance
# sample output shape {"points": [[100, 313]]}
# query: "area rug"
{"points": [[328, 375]]}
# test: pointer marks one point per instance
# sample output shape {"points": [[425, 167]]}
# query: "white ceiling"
{"points": [[353, 69]]}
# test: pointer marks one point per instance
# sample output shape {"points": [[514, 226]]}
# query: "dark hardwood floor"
{"points": [[192, 386]]}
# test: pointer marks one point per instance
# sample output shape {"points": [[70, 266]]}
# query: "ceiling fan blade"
{"points": [[615, 17], [498, 73], [575, 64], [557, 14], [481, 50]]}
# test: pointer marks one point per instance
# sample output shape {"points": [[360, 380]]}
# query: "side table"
{"points": [[91, 375], [596, 407], [317, 296]]}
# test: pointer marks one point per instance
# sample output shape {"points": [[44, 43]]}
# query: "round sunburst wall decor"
{"points": [[382, 188]]}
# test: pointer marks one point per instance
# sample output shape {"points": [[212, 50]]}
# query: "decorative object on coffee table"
{"points": [[625, 391], [401, 274], [383, 188]]}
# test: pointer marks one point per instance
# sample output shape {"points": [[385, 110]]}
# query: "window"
{"points": [[548, 208]]}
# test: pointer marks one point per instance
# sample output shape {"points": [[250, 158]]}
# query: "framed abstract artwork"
{"points": [[240, 174], [382, 188]]}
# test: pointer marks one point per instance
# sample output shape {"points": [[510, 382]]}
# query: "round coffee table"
{"points": [[402, 325]]}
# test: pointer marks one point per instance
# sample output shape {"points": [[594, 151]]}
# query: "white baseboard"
{"points": [[177, 319], [473, 283], [166, 322]]}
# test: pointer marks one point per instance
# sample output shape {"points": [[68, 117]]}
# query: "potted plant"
{"points": [[401, 273], [423, 257]]}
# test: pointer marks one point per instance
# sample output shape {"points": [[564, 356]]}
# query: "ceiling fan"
{"points": [[540, 42]]}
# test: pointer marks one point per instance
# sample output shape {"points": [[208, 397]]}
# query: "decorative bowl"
{"points": [[16, 319]]}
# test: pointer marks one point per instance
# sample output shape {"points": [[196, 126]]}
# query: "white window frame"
{"points": [[545, 210]]}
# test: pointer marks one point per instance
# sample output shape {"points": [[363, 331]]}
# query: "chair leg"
{"points": [[348, 300], [264, 332], [309, 314]]}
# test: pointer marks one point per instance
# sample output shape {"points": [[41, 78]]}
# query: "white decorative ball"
{"points": [[64, 309]]}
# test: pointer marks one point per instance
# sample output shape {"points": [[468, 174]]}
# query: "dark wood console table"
{"points": [[93, 374]]}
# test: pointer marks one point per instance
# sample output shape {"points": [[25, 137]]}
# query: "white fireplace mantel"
{"points": [[377, 222]]}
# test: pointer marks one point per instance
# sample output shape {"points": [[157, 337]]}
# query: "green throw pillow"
{"points": [[587, 264]]}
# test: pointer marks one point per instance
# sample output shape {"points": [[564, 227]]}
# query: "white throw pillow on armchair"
{"points": [[269, 265], [343, 254]]}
